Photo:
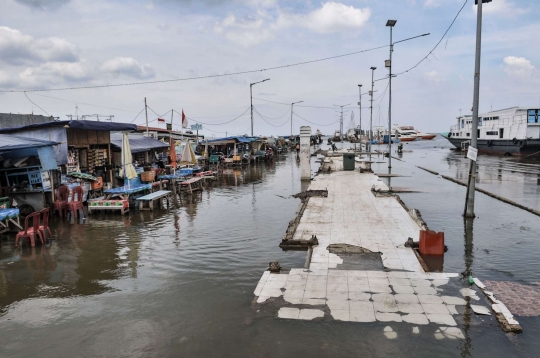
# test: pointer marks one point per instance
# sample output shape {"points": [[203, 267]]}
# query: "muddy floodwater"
{"points": [[180, 282]]}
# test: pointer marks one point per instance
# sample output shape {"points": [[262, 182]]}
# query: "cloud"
{"points": [[502, 7], [54, 73], [433, 76], [517, 66], [128, 66], [43, 4], [433, 3], [253, 30], [17, 48], [331, 17], [245, 31]]}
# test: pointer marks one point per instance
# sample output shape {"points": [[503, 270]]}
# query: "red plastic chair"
{"points": [[30, 232], [76, 204], [61, 201], [45, 226]]}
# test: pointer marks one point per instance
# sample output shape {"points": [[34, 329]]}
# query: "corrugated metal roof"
{"points": [[82, 124]]}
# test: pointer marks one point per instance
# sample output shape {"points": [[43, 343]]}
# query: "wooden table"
{"points": [[191, 185]]}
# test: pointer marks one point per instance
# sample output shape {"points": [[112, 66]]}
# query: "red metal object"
{"points": [[431, 242]]}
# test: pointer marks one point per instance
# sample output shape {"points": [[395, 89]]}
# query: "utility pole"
{"points": [[391, 24], [146, 112], [341, 119], [471, 187], [371, 109], [292, 104]]}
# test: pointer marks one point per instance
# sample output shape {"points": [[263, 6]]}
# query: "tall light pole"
{"points": [[360, 113], [471, 187], [341, 119], [292, 104], [251, 100], [391, 24], [371, 109]]}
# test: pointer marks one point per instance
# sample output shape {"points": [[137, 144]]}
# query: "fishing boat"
{"points": [[425, 136], [337, 136], [405, 133], [510, 131]]}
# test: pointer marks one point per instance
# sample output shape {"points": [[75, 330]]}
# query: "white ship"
{"points": [[511, 131]]}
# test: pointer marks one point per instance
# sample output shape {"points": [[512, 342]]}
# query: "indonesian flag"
{"points": [[184, 120], [161, 120]]}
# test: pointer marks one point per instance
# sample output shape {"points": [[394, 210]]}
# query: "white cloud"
{"points": [[253, 30], [244, 31], [331, 17], [17, 48], [503, 7], [54, 73], [433, 3], [434, 76], [128, 66], [518, 66]]}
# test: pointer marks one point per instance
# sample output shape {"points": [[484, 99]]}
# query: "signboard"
{"points": [[45, 179], [196, 127], [472, 153], [169, 126]]}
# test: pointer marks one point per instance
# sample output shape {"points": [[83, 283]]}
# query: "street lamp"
{"points": [[391, 24], [360, 113], [371, 108], [292, 104], [251, 100]]}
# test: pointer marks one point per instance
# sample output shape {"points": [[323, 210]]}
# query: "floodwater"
{"points": [[180, 282]]}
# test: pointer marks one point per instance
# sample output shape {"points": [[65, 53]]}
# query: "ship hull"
{"points": [[407, 139], [520, 148]]}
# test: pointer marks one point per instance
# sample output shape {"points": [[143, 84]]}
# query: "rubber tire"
{"points": [[523, 144], [489, 143], [514, 140], [25, 210]]}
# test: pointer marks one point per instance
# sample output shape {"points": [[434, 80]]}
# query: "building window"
{"points": [[492, 133], [468, 134]]}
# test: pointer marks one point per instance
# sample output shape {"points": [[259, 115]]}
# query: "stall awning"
{"points": [[228, 140], [14, 142], [137, 142], [82, 124]]}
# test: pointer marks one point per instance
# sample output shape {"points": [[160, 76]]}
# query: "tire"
{"points": [[523, 143], [489, 143], [514, 140], [25, 210]]}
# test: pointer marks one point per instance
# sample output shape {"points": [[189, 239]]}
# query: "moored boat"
{"points": [[405, 133], [510, 131]]}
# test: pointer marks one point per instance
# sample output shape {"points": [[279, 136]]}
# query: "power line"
{"points": [[36, 104], [298, 105], [438, 43], [267, 117], [217, 124], [198, 77], [273, 125], [87, 104], [317, 124], [142, 110]]}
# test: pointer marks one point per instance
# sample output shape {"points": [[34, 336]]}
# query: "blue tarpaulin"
{"points": [[228, 139], [82, 124], [137, 143], [15, 142]]}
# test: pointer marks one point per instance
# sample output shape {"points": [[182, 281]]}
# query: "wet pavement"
{"points": [[180, 282]]}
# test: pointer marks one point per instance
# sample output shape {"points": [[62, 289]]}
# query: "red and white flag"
{"points": [[161, 120], [184, 120]]}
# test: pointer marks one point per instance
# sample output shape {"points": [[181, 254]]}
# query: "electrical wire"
{"points": [[299, 105], [273, 125], [438, 43], [198, 77], [265, 116], [217, 124], [137, 115], [87, 104], [36, 104], [317, 124]]}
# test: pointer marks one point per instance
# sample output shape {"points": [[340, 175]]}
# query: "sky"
{"points": [[56, 44]]}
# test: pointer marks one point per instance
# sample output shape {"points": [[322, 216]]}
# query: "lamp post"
{"points": [[391, 24], [292, 104], [371, 109], [360, 112], [471, 187], [251, 100]]}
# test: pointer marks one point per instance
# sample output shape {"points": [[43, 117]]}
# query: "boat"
{"points": [[318, 133], [405, 133], [425, 136], [351, 135], [337, 136], [510, 131]]}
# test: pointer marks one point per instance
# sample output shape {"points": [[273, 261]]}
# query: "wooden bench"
{"points": [[150, 199], [191, 185]]}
